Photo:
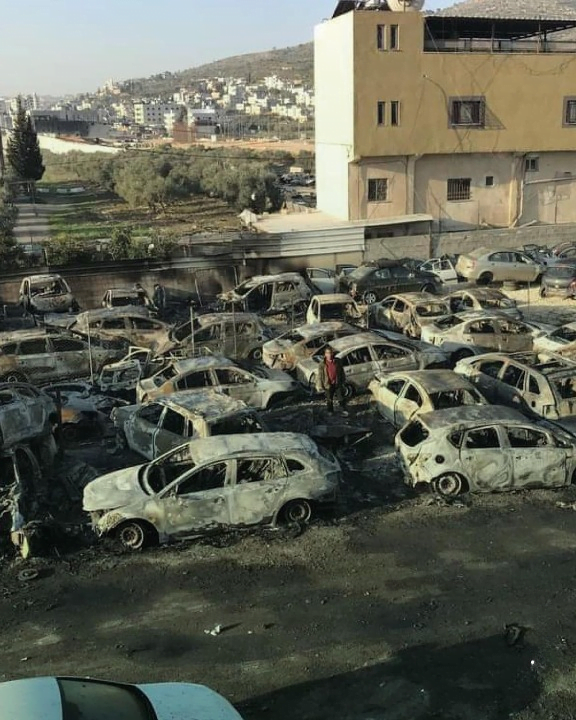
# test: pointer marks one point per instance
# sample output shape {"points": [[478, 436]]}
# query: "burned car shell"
{"points": [[530, 382], [284, 351], [236, 335], [25, 413], [443, 267], [213, 484], [560, 341], [40, 294], [335, 307], [399, 396], [134, 325], [126, 297], [482, 299], [283, 293], [408, 312], [257, 388], [484, 449], [363, 356], [165, 423]]}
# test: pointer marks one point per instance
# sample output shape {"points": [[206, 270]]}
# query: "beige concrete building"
{"points": [[470, 120]]}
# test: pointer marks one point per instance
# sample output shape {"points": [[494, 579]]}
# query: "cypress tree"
{"points": [[23, 150]]}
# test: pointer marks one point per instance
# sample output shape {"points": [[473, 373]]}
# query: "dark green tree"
{"points": [[23, 150]]}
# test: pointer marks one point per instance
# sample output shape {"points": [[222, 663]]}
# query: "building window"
{"points": [[570, 111], [532, 164], [467, 111], [458, 189], [395, 112], [381, 113], [489, 180], [380, 37], [394, 38], [378, 190]]}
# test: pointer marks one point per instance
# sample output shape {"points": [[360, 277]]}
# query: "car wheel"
{"points": [[485, 279], [14, 377], [296, 511], [135, 535], [543, 291], [370, 297], [448, 485], [255, 355], [460, 355], [348, 391]]}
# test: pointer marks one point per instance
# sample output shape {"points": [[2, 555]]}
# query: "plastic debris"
{"points": [[216, 630]]}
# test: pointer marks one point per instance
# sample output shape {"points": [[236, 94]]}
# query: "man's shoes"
{"points": [[345, 412]]}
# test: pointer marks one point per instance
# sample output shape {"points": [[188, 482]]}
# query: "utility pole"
{"points": [[2, 161]]}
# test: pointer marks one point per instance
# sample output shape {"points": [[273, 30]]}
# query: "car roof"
{"points": [[43, 278], [209, 404], [351, 341], [472, 415], [485, 315], [205, 449], [122, 291], [478, 252], [326, 298], [97, 313], [482, 293], [258, 279], [552, 368], [432, 380], [417, 297], [31, 334], [312, 329], [570, 326], [201, 363], [211, 318]]}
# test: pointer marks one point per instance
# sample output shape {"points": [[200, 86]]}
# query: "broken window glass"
{"points": [[67, 345], [151, 413], [482, 438], [232, 377], [482, 327], [210, 477], [522, 437], [514, 376], [491, 367], [414, 433], [259, 470], [33, 347], [413, 395], [194, 380]]}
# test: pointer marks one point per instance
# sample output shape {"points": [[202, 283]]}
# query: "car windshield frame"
{"points": [[105, 701], [155, 471]]}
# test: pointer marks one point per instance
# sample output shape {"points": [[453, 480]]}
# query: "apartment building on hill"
{"points": [[471, 120]]}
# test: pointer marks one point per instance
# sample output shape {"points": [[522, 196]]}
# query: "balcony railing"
{"points": [[470, 45]]}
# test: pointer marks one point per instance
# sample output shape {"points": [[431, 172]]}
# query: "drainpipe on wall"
{"points": [[411, 182]]}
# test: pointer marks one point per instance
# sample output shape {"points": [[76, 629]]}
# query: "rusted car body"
{"points": [[529, 382], [335, 307], [25, 413], [408, 312], [482, 299], [258, 388], [163, 424], [485, 449], [237, 335], [366, 355], [270, 294], [214, 484], [284, 352], [40, 357], [399, 396], [41, 294], [135, 326]]}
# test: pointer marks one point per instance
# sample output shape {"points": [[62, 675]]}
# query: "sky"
{"points": [[56, 47]]}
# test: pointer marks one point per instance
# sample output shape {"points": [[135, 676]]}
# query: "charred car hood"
{"points": [[279, 346], [115, 490], [52, 303]]}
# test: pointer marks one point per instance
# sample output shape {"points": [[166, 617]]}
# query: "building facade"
{"points": [[470, 120]]}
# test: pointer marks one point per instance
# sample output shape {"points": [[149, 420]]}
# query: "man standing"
{"points": [[331, 380], [159, 299]]}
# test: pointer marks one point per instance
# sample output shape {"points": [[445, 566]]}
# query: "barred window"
{"points": [[570, 111], [468, 111], [458, 189], [378, 190]]}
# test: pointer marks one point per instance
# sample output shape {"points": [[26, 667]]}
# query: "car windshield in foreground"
{"points": [[162, 472], [91, 700]]}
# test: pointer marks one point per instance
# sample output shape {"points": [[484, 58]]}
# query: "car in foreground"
{"points": [[25, 413], [375, 281], [482, 299], [530, 382], [284, 351], [399, 396], [158, 426], [41, 294], [76, 698], [212, 484], [484, 449], [559, 279], [472, 333], [485, 266], [334, 307], [408, 312], [364, 356], [260, 387], [560, 340], [270, 294]]}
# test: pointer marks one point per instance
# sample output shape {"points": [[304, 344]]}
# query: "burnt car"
{"points": [[399, 396], [39, 357], [260, 387], [365, 355], [284, 351], [126, 297], [165, 423], [534, 384], [212, 484], [236, 335], [408, 312], [270, 294], [443, 267], [482, 299], [560, 341], [25, 413], [135, 326], [121, 377], [559, 279], [41, 294], [484, 449], [335, 306], [375, 281]]}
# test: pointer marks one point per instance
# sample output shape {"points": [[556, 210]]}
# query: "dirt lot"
{"points": [[395, 608]]}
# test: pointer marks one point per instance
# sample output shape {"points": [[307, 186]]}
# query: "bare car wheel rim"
{"points": [[370, 298], [299, 511], [132, 536], [449, 485]]}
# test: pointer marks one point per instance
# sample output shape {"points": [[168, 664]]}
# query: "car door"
{"points": [[510, 389], [537, 460], [535, 393], [323, 279], [400, 315], [410, 401], [71, 357], [525, 269], [313, 312], [240, 385], [387, 396], [208, 337], [259, 485], [359, 367], [36, 359], [198, 501], [485, 460], [500, 265], [383, 313], [285, 295], [142, 427], [485, 375], [174, 429], [480, 333], [239, 338], [513, 336], [389, 357], [195, 380]]}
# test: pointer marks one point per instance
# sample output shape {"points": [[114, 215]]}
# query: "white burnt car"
{"points": [[408, 312], [41, 294], [156, 427], [212, 484], [284, 351], [482, 299], [484, 449], [399, 396], [561, 340], [368, 354], [270, 294], [335, 307]]}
